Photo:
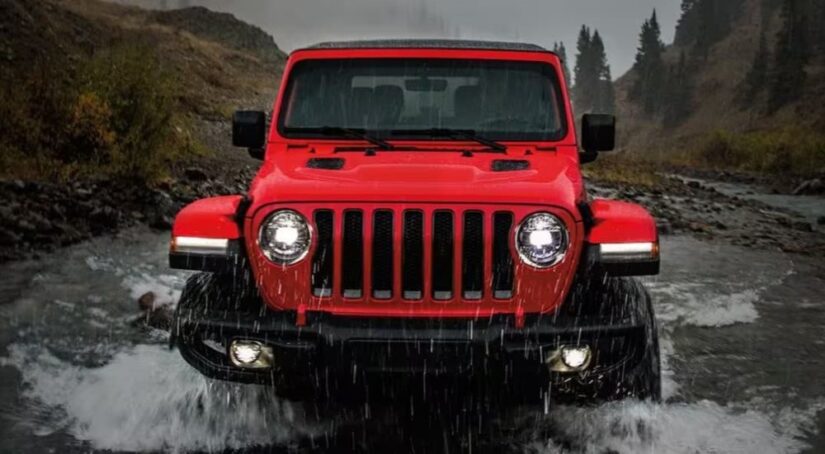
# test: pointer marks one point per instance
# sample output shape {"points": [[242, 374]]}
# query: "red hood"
{"points": [[417, 176]]}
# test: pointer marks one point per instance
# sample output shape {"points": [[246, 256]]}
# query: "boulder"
{"points": [[810, 187]]}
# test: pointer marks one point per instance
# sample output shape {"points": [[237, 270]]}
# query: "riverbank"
{"points": [[39, 217], [698, 207]]}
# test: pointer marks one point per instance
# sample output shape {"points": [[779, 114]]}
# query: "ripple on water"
{"points": [[699, 427], [148, 399]]}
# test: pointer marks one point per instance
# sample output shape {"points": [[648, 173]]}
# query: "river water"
{"points": [[743, 344]]}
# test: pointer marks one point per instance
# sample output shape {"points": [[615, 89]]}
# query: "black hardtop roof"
{"points": [[428, 44]]}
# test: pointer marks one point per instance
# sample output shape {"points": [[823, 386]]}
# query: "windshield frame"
{"points": [[543, 63]]}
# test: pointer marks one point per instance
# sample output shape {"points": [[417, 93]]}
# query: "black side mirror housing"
{"points": [[249, 131], [598, 134]]}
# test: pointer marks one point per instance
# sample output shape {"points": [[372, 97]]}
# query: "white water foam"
{"points": [[690, 428], [694, 304], [166, 287], [148, 399]]}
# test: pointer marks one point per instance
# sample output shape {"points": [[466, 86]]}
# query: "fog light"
{"points": [[248, 354], [570, 359], [575, 357]]}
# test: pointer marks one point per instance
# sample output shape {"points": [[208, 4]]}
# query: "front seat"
{"points": [[467, 101], [359, 107], [388, 103]]}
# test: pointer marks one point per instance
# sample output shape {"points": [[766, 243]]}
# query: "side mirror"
{"points": [[249, 131], [598, 134]]}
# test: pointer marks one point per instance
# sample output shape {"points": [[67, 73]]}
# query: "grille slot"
{"points": [[442, 266], [352, 252], [502, 259], [413, 255], [322, 261], [472, 276], [382, 255]]}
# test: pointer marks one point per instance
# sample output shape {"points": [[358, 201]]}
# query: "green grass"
{"points": [[116, 114], [782, 153]]}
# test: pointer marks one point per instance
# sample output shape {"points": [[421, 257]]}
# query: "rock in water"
{"points": [[810, 187], [147, 301]]}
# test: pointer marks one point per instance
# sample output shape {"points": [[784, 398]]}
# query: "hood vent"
{"points": [[510, 165], [326, 163]]}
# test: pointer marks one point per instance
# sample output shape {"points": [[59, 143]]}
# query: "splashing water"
{"points": [[85, 372]]}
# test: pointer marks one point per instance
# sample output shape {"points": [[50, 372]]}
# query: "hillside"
{"points": [[223, 61], [715, 80], [113, 115]]}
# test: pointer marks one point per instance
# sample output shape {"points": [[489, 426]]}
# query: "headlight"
{"points": [[285, 237], [542, 240]]}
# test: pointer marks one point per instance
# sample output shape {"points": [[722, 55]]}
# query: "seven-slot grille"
{"points": [[413, 255]]}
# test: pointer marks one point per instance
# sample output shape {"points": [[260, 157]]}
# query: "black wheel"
{"points": [[622, 300]]}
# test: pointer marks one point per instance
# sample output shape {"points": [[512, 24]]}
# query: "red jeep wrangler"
{"points": [[420, 211]]}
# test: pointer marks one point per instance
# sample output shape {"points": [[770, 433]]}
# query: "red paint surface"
{"points": [[436, 176], [209, 218], [536, 291], [621, 222]]}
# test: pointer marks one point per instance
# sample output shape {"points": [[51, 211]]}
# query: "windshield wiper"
{"points": [[467, 134], [357, 133]]}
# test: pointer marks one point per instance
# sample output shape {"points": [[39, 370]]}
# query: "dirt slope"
{"points": [[715, 86]]}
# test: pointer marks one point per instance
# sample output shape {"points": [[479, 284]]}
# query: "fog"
{"points": [[297, 23]]}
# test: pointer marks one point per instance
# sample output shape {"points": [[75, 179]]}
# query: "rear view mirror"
{"points": [[598, 134], [249, 131], [425, 84]]}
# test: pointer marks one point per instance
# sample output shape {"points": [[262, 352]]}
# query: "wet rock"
{"points": [[104, 218], [195, 174], [698, 227], [694, 184], [802, 226], [161, 222], [8, 238], [664, 227], [810, 187], [792, 248], [25, 226], [820, 220], [147, 301]]}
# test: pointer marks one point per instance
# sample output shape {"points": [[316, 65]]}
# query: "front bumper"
{"points": [[356, 348]]}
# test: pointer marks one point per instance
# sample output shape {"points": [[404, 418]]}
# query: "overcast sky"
{"points": [[296, 23]]}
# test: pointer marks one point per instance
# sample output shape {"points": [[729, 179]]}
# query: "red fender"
{"points": [[623, 239], [621, 222], [209, 218]]}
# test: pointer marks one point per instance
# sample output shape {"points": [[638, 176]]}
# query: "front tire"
{"points": [[614, 299]]}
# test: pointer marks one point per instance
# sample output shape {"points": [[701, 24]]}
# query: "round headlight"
{"points": [[285, 237], [542, 240]]}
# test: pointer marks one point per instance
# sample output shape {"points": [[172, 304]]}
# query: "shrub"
{"points": [[117, 115], [787, 152], [141, 95]]}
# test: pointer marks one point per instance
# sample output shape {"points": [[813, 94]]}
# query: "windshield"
{"points": [[407, 98]]}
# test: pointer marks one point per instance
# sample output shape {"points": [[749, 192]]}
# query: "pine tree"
{"points": [[677, 105], [705, 22], [757, 76], [818, 26], [790, 57], [649, 67], [686, 28], [584, 89], [605, 101], [559, 49]]}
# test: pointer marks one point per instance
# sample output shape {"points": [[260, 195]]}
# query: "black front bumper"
{"points": [[354, 348]]}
